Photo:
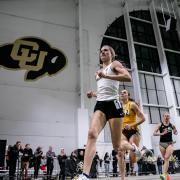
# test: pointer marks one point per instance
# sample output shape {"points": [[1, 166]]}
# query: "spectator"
{"points": [[80, 160], [62, 159], [114, 163], [13, 155], [50, 155], [94, 166], [127, 162], [71, 165], [140, 164], [151, 160], [7, 157], [38, 155], [27, 155], [106, 163], [159, 164]]}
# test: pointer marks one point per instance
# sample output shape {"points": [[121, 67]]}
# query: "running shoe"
{"points": [[165, 177], [82, 177], [136, 151]]}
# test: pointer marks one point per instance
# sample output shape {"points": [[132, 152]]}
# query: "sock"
{"points": [[86, 175]]}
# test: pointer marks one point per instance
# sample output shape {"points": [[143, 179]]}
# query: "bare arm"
{"points": [[121, 73], [156, 131], [139, 113], [175, 132]]}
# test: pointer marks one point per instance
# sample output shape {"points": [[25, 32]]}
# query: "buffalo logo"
{"points": [[34, 55]]}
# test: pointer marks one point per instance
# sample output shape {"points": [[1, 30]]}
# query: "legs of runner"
{"points": [[97, 124]]}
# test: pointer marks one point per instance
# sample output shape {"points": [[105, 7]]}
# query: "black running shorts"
{"points": [[129, 133], [111, 109]]}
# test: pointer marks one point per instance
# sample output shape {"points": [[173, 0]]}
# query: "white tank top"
{"points": [[107, 89]]}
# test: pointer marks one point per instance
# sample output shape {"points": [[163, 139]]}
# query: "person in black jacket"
{"points": [[94, 168], [27, 155], [50, 155], [114, 163], [71, 167], [106, 163], [62, 159], [159, 164], [13, 155], [38, 155]]}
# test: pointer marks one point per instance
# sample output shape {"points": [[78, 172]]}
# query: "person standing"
{"points": [[159, 164], [106, 163], [50, 155], [13, 155], [107, 108], [62, 159], [165, 131], [114, 163], [127, 162], [38, 155], [27, 155], [94, 167]]}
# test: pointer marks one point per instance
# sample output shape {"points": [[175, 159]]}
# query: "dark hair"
{"points": [[131, 99], [17, 142], [114, 152], [27, 145]]}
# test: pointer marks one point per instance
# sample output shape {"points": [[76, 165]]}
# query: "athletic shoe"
{"points": [[136, 151], [162, 177], [82, 177], [165, 177], [168, 177]]}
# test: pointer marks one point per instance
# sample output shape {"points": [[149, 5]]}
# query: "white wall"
{"points": [[46, 112], [43, 112]]}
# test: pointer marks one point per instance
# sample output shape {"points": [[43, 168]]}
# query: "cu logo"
{"points": [[34, 55], [22, 51]]}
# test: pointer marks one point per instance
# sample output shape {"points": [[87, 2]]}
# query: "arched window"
{"points": [[150, 74], [171, 45]]}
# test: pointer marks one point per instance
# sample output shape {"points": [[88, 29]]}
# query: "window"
{"points": [[152, 89], [151, 81], [153, 95], [146, 52], [170, 39], [147, 59], [117, 29], [143, 14], [155, 114], [176, 87], [173, 61], [161, 18], [171, 44], [143, 32]]}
